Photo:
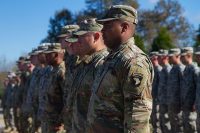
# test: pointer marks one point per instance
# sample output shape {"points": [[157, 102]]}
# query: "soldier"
{"points": [[51, 86], [188, 90], [26, 119], [19, 98], [8, 103], [71, 62], [162, 90], [121, 98], [34, 85], [92, 52], [155, 111], [16, 102], [197, 101], [173, 91]]}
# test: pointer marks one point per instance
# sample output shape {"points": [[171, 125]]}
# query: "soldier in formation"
{"points": [[96, 80]]}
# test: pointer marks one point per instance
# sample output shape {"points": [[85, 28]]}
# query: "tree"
{"points": [[197, 39], [60, 19], [139, 42], [163, 40], [96, 8], [169, 14]]}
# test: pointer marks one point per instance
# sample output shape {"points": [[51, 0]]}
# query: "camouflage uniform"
{"points": [[32, 101], [155, 110], [71, 63], [121, 99], [197, 100], [53, 84], [41, 95], [197, 103], [7, 105], [17, 107], [173, 94], [81, 89], [52, 91], [26, 123], [162, 97], [188, 93]]}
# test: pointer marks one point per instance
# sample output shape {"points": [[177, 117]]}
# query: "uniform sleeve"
{"points": [[137, 96]]}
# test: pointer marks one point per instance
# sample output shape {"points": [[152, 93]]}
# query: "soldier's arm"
{"points": [[137, 97]]}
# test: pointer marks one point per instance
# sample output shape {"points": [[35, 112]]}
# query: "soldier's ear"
{"points": [[96, 36]]}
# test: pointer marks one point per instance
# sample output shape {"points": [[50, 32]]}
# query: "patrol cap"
{"points": [[174, 51], [54, 48], [11, 75], [153, 53], [88, 25], [27, 60], [120, 12], [21, 59], [67, 30], [41, 48], [187, 50], [163, 52], [33, 52], [197, 51], [72, 39]]}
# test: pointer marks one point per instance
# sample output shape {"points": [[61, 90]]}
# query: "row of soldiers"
{"points": [[176, 91], [95, 80]]}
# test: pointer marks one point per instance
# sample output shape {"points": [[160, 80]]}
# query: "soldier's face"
{"points": [[198, 59], [20, 66], [34, 59], [187, 59], [66, 45], [86, 44], [112, 33], [51, 58], [172, 59], [42, 58]]}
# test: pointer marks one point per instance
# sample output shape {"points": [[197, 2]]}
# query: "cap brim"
{"points": [[56, 51], [171, 54], [105, 20], [71, 40], [79, 33], [63, 35]]}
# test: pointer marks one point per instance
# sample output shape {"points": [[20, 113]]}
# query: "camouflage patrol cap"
{"points": [[21, 59], [174, 51], [72, 39], [197, 51], [27, 60], [186, 50], [163, 52], [67, 30], [88, 25], [42, 47], [33, 52], [153, 53], [11, 75], [120, 12], [54, 48]]}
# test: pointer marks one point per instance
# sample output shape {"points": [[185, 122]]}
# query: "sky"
{"points": [[24, 23]]}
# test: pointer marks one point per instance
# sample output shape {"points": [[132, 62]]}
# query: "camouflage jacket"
{"points": [[174, 84], [33, 87], [52, 85], [157, 70], [188, 86], [197, 100], [80, 92], [163, 83], [122, 89]]}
